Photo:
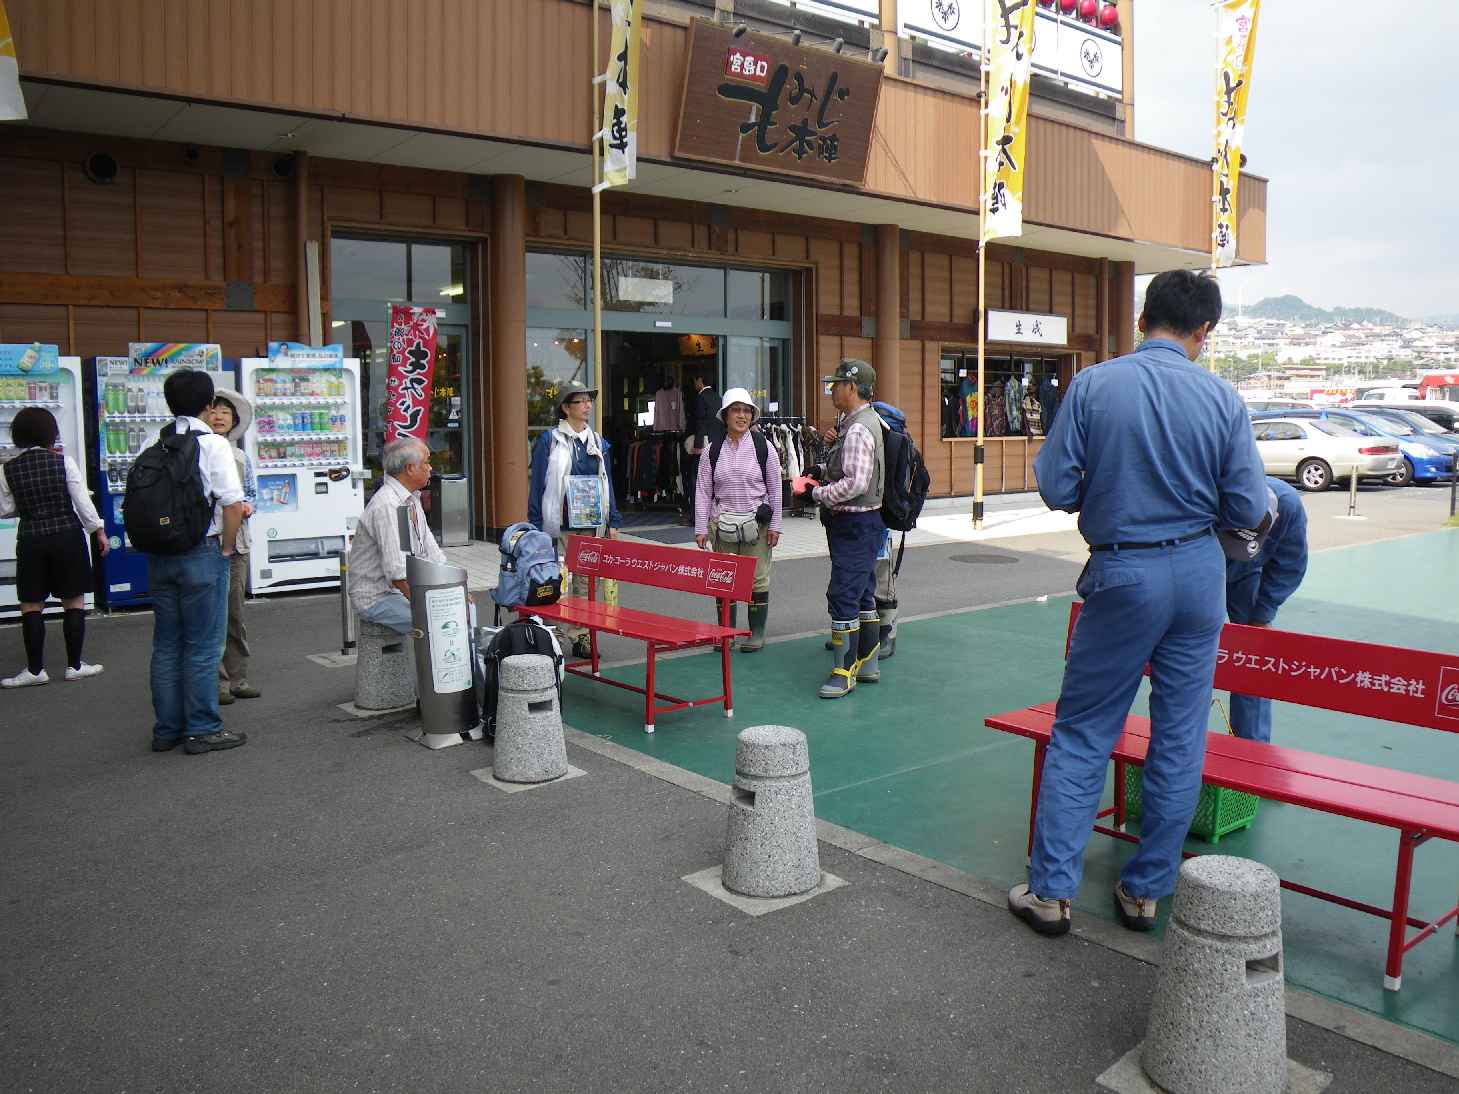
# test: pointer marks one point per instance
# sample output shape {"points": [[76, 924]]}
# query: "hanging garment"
{"points": [[669, 410], [997, 415], [968, 408], [1048, 402], [1013, 402], [1032, 416]]}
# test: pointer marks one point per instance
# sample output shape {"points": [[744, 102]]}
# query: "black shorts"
{"points": [[52, 565]]}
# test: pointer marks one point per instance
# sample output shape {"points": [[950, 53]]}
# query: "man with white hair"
{"points": [[378, 590]]}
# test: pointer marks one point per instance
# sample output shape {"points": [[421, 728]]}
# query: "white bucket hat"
{"points": [[242, 411], [738, 395]]}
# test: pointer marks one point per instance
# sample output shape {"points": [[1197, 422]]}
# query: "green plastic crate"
{"points": [[1219, 811]]}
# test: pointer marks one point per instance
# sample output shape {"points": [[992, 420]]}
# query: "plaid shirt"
{"points": [[738, 486], [46, 490], [858, 461]]}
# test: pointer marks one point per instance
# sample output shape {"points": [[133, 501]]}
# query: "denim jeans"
{"points": [[854, 540], [190, 623], [391, 610]]}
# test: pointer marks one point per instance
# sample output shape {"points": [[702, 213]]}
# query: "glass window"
{"points": [[437, 273], [445, 434], [761, 367], [1021, 390], [552, 357], [367, 269], [745, 290], [1335, 427], [557, 281], [662, 288], [370, 343]]}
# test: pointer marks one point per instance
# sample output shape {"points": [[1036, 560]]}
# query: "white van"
{"points": [[1435, 410], [1394, 392]]}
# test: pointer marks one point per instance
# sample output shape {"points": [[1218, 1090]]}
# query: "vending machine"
{"points": [[130, 412], [306, 447], [36, 375]]}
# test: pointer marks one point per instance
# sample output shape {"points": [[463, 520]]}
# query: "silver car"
{"points": [[1315, 451]]}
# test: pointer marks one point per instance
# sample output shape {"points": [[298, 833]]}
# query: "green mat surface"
{"points": [[909, 762]]}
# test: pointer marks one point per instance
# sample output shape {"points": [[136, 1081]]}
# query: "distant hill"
{"points": [[1450, 320], [1293, 309]]}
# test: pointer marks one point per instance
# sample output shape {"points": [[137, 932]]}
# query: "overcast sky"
{"points": [[1354, 118]]}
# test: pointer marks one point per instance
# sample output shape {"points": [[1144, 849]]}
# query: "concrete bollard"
{"points": [[1218, 1021], [770, 839], [529, 743], [384, 668]]}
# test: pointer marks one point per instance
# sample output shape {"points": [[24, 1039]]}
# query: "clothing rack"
{"points": [[791, 504]]}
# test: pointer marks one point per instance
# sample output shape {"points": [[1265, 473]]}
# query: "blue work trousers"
{"points": [[1164, 606], [189, 625], [854, 540], [1251, 717]]}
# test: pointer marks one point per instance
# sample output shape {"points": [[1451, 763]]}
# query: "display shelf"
{"points": [[6, 404], [301, 437], [300, 400], [124, 418], [341, 462]]}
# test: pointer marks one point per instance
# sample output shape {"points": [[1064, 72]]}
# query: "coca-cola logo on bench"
{"points": [[1447, 704], [588, 558], [722, 576]]}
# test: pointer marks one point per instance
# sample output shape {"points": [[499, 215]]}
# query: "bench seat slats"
{"points": [[633, 623]]}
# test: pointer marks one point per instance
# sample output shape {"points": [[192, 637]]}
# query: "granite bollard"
{"points": [[1218, 1020], [384, 668], [770, 839], [529, 742]]}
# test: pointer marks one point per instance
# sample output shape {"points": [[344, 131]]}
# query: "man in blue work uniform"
{"points": [[1152, 451], [1258, 586]]}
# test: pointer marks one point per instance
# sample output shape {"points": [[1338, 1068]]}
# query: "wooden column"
{"points": [[508, 291], [1124, 306], [888, 313], [301, 236]]}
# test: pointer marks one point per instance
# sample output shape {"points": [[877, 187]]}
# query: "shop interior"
{"points": [[1022, 398]]}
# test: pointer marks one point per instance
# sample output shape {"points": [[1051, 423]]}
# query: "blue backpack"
{"points": [[530, 574]]}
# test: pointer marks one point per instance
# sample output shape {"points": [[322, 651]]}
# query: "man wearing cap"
{"points": [[1153, 452], [571, 486], [850, 503], [1264, 566]]}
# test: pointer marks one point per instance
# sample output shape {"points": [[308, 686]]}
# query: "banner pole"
{"points": [[595, 117], [983, 133], [1216, 167]]}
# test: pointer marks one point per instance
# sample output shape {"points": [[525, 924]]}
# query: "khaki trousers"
{"points": [[234, 666], [759, 551]]}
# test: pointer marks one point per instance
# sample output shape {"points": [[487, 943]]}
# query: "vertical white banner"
{"points": [[620, 101]]}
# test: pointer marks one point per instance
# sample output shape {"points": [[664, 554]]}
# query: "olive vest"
{"points": [[871, 499]]}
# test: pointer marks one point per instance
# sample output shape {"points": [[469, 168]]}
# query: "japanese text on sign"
{"points": [[620, 100], [741, 64], [412, 363], [1237, 23]]}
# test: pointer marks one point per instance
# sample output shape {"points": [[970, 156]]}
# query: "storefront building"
{"points": [[214, 174]]}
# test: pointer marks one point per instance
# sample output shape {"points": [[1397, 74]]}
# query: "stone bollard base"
{"points": [[770, 835]]}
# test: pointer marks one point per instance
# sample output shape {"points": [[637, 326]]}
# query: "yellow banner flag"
{"points": [[1237, 27], [620, 103], [12, 102], [1010, 62]]}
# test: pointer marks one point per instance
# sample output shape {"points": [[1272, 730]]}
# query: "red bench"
{"points": [[726, 578], [1413, 687]]}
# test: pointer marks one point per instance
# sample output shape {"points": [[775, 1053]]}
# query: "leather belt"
{"points": [[1146, 546]]}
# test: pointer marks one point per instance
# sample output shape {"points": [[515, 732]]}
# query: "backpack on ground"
{"points": [[530, 574], [520, 636], [166, 510]]}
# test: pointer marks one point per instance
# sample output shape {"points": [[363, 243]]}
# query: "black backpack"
{"points": [[521, 636], [906, 484], [166, 511]]}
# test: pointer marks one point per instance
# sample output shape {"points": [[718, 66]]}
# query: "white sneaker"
{"points": [[83, 672], [25, 679]]}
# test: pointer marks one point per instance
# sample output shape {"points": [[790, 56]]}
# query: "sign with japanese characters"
{"points": [[763, 103], [1237, 44], [298, 355], [620, 99], [207, 356], [412, 363], [673, 568], [1010, 61], [1029, 327]]}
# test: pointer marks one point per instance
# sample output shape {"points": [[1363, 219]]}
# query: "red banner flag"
{"points": [[412, 363]]}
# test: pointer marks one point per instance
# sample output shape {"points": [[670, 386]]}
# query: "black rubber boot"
{"points": [[843, 660], [868, 670], [759, 611], [887, 611]]}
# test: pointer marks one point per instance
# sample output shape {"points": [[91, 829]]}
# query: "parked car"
{"points": [[1315, 451], [1425, 458], [1441, 413], [1254, 406], [1388, 393]]}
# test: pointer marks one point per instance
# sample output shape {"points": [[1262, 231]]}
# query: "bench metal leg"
{"points": [[1120, 805], [729, 698], [1398, 926], [648, 691], [1033, 801], [593, 646]]}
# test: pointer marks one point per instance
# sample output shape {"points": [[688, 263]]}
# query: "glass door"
{"points": [[450, 422]]}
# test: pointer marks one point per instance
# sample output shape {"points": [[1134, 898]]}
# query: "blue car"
{"points": [[1427, 457]]}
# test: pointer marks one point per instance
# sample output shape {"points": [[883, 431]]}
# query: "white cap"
{"points": [[738, 395]]}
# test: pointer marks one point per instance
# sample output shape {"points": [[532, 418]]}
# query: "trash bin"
{"points": [[450, 515], [441, 628]]}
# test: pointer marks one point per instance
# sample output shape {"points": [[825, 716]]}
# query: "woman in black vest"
{"points": [[47, 491]]}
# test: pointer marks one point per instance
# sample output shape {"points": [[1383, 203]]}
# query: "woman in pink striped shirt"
{"points": [[737, 501]]}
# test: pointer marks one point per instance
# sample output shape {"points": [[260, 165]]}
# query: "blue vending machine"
{"points": [[129, 413]]}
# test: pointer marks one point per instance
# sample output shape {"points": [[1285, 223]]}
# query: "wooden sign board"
{"points": [[762, 103]]}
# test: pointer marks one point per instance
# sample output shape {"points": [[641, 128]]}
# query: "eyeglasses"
{"points": [[584, 400]]}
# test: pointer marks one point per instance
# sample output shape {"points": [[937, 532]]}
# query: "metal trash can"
{"points": [[450, 515], [443, 660]]}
